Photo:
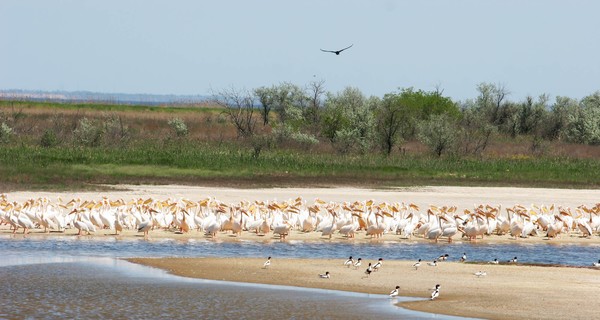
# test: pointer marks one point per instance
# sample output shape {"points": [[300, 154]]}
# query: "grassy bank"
{"points": [[26, 167]]}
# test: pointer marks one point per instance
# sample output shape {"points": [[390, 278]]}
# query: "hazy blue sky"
{"points": [[189, 47]]}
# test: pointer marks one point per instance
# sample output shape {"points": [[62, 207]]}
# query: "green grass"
{"points": [[184, 162]]}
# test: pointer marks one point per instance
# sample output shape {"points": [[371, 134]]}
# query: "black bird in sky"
{"points": [[337, 52]]}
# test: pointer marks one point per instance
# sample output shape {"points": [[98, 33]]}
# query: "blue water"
{"points": [[562, 254]]}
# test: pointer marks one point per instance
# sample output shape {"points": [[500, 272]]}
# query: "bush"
{"points": [[87, 133], [5, 132], [49, 139], [179, 127]]}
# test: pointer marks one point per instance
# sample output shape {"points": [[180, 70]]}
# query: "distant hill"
{"points": [[116, 98]]}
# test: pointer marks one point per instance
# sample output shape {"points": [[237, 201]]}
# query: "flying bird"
{"points": [[337, 52]]}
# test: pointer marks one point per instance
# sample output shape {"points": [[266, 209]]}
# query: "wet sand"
{"points": [[507, 292]]}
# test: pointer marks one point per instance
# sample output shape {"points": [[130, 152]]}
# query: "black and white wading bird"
{"points": [[267, 263], [436, 292], [395, 292]]}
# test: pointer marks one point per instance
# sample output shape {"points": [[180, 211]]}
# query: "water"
{"points": [[562, 254], [82, 277]]}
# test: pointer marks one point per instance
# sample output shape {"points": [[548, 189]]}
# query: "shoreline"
{"points": [[295, 235], [507, 292]]}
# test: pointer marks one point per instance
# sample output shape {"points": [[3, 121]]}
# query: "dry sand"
{"points": [[507, 292]]}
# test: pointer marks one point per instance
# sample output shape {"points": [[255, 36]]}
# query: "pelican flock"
{"points": [[281, 218]]}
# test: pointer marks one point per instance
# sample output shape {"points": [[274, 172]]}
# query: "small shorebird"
{"points": [[597, 264], [378, 264], [513, 260], [444, 257], [395, 292], [369, 270], [495, 261], [349, 262], [417, 264], [480, 274], [432, 264], [463, 258], [267, 263], [436, 292], [357, 263], [324, 275]]}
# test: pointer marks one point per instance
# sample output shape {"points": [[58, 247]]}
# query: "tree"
{"points": [[348, 121], [584, 123], [388, 115], [266, 97], [563, 109], [491, 100], [476, 131], [438, 133], [239, 107], [315, 92]]}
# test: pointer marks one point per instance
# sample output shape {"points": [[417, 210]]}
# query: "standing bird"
{"points": [[432, 264], [480, 274], [337, 52], [395, 292], [436, 292], [513, 260], [378, 264], [369, 270], [349, 262], [463, 258], [597, 264], [357, 263], [495, 261], [267, 263], [417, 264], [324, 275]]}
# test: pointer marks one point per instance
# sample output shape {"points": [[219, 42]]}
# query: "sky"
{"points": [[200, 47]]}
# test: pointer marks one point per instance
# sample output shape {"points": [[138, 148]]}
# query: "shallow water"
{"points": [[563, 254], [88, 287], [82, 277]]}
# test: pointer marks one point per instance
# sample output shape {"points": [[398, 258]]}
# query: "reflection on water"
{"points": [[109, 288]]}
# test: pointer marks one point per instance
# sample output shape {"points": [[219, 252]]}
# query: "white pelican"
{"points": [[432, 264], [329, 230], [349, 262], [480, 274], [436, 292], [24, 221], [357, 263], [378, 264], [463, 258], [282, 230], [267, 263], [417, 264], [395, 292], [324, 275]]}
